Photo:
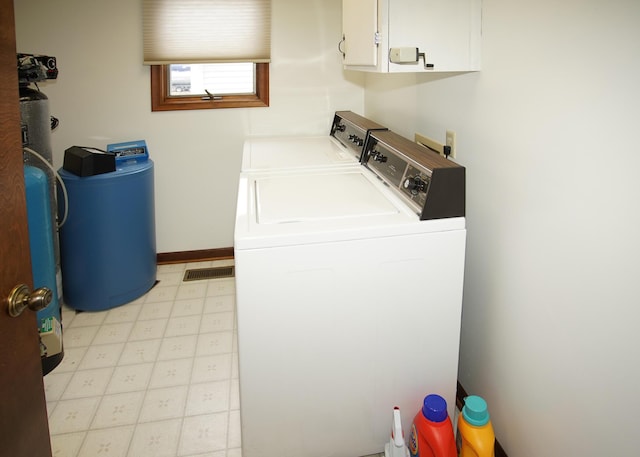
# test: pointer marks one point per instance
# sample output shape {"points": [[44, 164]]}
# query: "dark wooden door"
{"points": [[24, 429]]}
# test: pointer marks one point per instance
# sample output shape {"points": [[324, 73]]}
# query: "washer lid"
{"points": [[270, 153], [276, 209], [282, 199]]}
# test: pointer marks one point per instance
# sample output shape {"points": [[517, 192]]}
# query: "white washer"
{"points": [[342, 147], [348, 302]]}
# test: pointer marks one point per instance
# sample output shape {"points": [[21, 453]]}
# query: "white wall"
{"points": [[548, 132], [102, 95]]}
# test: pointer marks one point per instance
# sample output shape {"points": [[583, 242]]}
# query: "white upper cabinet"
{"points": [[391, 36], [360, 24]]}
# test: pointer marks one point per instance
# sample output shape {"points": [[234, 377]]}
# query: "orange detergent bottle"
{"points": [[475, 432], [432, 432]]}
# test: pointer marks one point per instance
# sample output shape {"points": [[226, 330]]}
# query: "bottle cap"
{"points": [[434, 408], [475, 410]]}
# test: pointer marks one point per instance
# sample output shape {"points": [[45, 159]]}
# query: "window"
{"points": [[212, 79], [207, 53], [172, 91]]}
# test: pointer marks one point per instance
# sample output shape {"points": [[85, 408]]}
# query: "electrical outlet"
{"points": [[450, 140]]}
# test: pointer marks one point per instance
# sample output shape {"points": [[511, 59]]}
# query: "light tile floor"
{"points": [[157, 377]]}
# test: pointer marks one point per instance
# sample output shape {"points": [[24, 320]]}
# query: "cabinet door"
{"points": [[446, 31], [359, 29]]}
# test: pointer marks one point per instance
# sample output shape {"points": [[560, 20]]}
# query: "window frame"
{"points": [[162, 101]]}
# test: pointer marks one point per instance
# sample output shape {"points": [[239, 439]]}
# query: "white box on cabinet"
{"points": [[447, 34]]}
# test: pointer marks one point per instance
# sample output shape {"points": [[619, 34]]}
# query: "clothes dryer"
{"points": [[341, 147]]}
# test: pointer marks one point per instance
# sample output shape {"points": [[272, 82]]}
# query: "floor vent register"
{"points": [[198, 274]]}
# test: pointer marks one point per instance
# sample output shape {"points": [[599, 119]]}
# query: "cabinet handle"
{"points": [[340, 49]]}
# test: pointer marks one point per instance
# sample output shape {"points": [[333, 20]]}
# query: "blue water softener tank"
{"points": [[43, 264], [108, 243]]}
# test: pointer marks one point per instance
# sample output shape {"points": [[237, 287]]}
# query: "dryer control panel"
{"points": [[432, 185], [351, 130]]}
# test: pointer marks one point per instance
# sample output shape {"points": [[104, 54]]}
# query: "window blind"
{"points": [[202, 31]]}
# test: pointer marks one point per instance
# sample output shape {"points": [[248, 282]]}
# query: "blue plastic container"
{"points": [[108, 243], [43, 263]]}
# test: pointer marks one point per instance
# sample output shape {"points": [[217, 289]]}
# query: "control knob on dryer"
{"points": [[415, 184], [377, 156]]}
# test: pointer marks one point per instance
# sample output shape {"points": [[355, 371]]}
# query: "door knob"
{"points": [[20, 298]]}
